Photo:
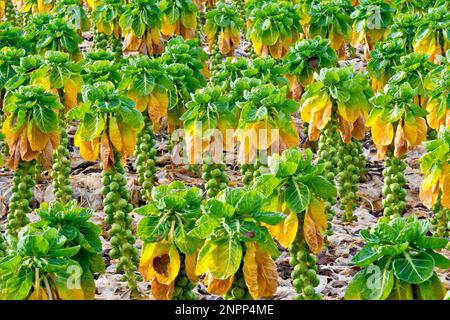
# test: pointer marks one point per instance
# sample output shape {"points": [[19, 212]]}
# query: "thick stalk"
{"points": [[25, 18], [304, 275], [348, 166], [215, 177], [240, 5], [394, 193], [21, 197], [183, 286], [441, 219], [100, 40], [115, 45], [327, 155], [250, 171], [10, 12], [146, 159], [216, 59], [61, 169], [117, 207]]}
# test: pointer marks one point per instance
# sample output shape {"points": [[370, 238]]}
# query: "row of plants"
{"points": [[226, 240]]}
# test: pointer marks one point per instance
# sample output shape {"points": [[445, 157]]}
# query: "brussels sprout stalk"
{"points": [[117, 207], [304, 274], [146, 159]]}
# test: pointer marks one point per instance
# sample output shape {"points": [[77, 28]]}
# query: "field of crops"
{"points": [[212, 149]]}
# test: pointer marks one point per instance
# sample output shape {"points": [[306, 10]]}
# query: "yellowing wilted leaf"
{"points": [[71, 90], [162, 291], [37, 139], [315, 223], [286, 231], [190, 262], [400, 144], [217, 286], [260, 272], [160, 260], [382, 133], [114, 134]]}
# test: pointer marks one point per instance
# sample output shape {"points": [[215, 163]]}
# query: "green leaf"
{"points": [[321, 187], [266, 184], [184, 242], [222, 258], [432, 289], [373, 283], [205, 225], [218, 209], [431, 242], [440, 261], [46, 119], [401, 291], [250, 202], [272, 218], [64, 252], [297, 196], [152, 228], [415, 268], [18, 287], [365, 257], [148, 210]]}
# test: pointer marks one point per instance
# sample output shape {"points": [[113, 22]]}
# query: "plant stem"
{"points": [[22, 195], [146, 159], [394, 194], [304, 275], [348, 179], [61, 169], [117, 207]]}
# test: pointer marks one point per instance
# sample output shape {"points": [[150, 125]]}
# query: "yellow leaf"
{"points": [[257, 44], [286, 231], [131, 42], [313, 132], [322, 116], [190, 263], [11, 137], [43, 82], [276, 50], [71, 90], [168, 28], [289, 140], [432, 108], [162, 291], [89, 150], [314, 224], [160, 260], [224, 42], [311, 104], [157, 108], [140, 103], [429, 195], [37, 139], [217, 286], [156, 36], [129, 137], [260, 272], [382, 133], [445, 188], [348, 113], [400, 144], [115, 134], [107, 158]]}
